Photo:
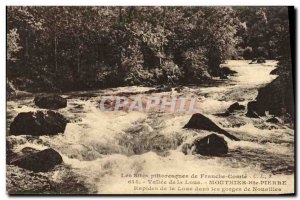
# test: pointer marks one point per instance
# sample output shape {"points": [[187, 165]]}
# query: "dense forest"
{"points": [[79, 48]]}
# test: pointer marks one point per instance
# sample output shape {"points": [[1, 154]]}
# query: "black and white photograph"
{"points": [[150, 100]]}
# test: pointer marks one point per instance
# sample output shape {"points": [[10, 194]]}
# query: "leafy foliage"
{"points": [[67, 48], [12, 44]]}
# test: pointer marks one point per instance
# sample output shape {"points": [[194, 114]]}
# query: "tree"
{"points": [[13, 46]]}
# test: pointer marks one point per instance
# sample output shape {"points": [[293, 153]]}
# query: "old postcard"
{"points": [[150, 100]]}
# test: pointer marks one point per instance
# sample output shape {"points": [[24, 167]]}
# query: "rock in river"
{"points": [[41, 161], [235, 106], [227, 71], [273, 120], [254, 110], [211, 145], [258, 60], [199, 121], [261, 60], [50, 102], [38, 123], [277, 97]]}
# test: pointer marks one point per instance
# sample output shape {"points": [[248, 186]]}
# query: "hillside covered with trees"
{"points": [[80, 48]]}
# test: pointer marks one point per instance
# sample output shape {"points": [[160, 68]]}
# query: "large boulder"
{"points": [[258, 60], [251, 114], [50, 102], [211, 145], [199, 121], [277, 97], [261, 60], [254, 110], [41, 161], [227, 71], [275, 71], [38, 123], [234, 107], [273, 120]]}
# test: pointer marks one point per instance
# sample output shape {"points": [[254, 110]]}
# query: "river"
{"points": [[104, 149]]}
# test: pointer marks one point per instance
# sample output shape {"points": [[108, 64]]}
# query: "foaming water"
{"points": [[101, 146]]}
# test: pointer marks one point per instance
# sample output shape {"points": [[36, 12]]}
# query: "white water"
{"points": [[99, 146]]}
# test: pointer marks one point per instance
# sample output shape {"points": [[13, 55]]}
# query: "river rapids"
{"points": [[101, 151]]}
